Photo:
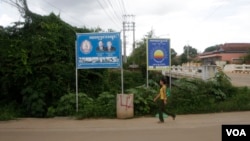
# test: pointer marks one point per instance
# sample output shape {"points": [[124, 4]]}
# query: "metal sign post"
{"points": [[76, 90]]}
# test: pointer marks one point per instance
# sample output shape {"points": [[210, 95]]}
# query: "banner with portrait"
{"points": [[98, 50]]}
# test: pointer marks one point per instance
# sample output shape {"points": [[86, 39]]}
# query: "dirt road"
{"points": [[202, 127]]}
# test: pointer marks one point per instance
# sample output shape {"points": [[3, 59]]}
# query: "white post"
{"points": [[170, 79], [76, 77], [122, 81], [147, 78]]}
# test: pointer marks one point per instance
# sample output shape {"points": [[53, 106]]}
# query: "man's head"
{"points": [[109, 44], [100, 44]]}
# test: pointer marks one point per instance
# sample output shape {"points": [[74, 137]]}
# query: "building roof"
{"points": [[229, 48], [234, 47]]}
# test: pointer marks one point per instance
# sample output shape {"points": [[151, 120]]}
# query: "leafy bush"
{"points": [[240, 101], [187, 96], [221, 86], [67, 104], [9, 112], [131, 79], [143, 99], [190, 96], [103, 106], [199, 96], [106, 105]]}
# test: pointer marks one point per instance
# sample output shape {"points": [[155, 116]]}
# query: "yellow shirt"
{"points": [[163, 92]]}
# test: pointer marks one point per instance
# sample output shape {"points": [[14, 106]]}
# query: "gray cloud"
{"points": [[202, 22]]}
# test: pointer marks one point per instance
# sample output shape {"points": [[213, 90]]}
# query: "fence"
{"points": [[189, 71], [204, 72], [237, 68]]}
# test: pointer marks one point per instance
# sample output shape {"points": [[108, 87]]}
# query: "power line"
{"points": [[75, 19], [63, 11], [119, 7], [119, 17], [214, 11], [112, 19], [112, 12], [124, 6], [208, 16], [10, 3]]}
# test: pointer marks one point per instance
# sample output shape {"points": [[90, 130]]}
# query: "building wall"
{"points": [[211, 60], [230, 56]]}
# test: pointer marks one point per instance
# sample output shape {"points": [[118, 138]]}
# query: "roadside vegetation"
{"points": [[38, 77]]}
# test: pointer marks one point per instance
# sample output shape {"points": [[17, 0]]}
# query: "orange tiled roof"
{"points": [[230, 48], [236, 47]]}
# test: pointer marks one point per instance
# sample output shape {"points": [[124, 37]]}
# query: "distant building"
{"points": [[232, 53]]}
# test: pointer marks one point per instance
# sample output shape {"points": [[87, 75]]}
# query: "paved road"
{"points": [[202, 127]]}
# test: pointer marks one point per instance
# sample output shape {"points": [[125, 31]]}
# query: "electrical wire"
{"points": [[111, 12], [115, 12], [111, 18], [124, 7], [66, 13]]}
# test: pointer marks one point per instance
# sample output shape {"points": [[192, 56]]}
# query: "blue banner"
{"points": [[158, 54], [98, 50]]}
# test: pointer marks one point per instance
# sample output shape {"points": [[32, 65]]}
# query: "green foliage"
{"points": [[9, 112], [37, 62], [67, 105], [37, 70], [189, 96], [240, 101], [32, 66], [247, 57], [131, 79], [196, 95], [143, 99], [221, 86], [103, 106], [189, 54], [51, 112], [106, 105], [212, 48]]}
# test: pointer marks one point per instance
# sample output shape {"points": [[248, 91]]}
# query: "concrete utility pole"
{"points": [[128, 25]]}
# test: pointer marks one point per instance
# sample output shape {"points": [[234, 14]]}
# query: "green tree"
{"points": [[212, 48], [247, 57], [138, 55], [37, 62], [189, 54]]}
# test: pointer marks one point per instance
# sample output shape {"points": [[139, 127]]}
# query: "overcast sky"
{"points": [[199, 23]]}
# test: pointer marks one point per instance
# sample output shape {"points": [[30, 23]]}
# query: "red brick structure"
{"points": [[232, 53]]}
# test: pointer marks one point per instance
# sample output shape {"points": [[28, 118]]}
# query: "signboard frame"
{"points": [[98, 50], [158, 54]]}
